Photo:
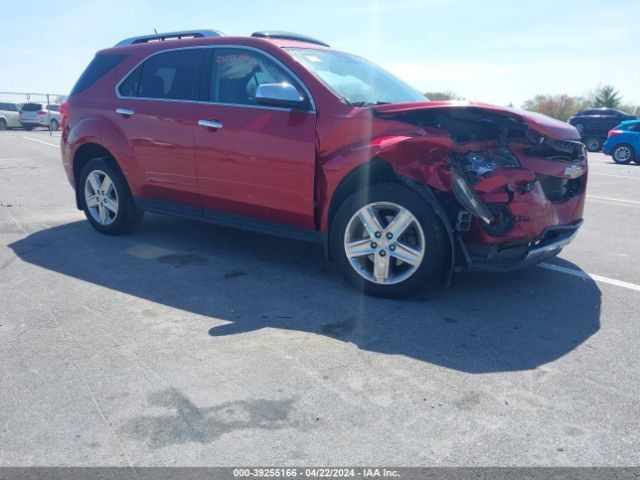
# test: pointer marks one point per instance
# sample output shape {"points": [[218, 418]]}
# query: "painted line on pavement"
{"points": [[590, 276], [596, 197], [616, 176], [40, 141]]}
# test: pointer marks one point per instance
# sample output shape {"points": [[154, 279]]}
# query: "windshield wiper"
{"points": [[367, 104]]}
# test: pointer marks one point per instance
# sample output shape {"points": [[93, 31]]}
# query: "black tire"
{"points": [[593, 144], [620, 152], [436, 245], [3, 124], [128, 216], [54, 125]]}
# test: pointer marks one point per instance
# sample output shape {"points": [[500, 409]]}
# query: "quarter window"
{"points": [[237, 73]]}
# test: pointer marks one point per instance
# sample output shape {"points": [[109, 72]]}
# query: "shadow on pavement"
{"points": [[484, 323]]}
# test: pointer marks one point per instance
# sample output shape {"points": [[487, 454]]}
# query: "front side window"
{"points": [[357, 81], [172, 75], [237, 73]]}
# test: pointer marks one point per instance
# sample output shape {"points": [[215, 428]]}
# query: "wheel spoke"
{"points": [[407, 254], [359, 248], [400, 223], [381, 268], [92, 201], [111, 205], [103, 214], [106, 184], [93, 181], [370, 221]]}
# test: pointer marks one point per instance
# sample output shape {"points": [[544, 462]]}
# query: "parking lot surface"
{"points": [[191, 344]]}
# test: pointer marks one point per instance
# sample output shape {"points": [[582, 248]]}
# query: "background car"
{"points": [[35, 115], [9, 115], [623, 143], [594, 123]]}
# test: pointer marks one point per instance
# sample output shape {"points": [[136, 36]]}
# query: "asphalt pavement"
{"points": [[190, 344]]}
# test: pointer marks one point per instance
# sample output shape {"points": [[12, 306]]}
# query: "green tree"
{"points": [[556, 106], [607, 96], [442, 96]]}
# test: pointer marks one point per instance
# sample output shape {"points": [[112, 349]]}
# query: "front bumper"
{"points": [[503, 258]]}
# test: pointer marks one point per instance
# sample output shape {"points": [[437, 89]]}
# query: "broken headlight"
{"points": [[481, 163]]}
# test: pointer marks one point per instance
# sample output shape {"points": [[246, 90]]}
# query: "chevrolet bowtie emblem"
{"points": [[574, 171]]}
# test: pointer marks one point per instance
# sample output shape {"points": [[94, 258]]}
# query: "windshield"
{"points": [[357, 81]]}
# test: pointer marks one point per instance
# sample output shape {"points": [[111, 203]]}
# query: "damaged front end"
{"points": [[513, 193]]}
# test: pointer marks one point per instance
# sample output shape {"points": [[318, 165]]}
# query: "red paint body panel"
{"points": [[285, 166], [260, 164]]}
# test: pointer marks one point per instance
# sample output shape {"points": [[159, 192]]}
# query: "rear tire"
{"points": [[54, 125], [593, 144], [623, 154], [3, 124], [380, 226], [106, 199]]}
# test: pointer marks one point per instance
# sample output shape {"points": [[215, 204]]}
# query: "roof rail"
{"points": [[159, 37], [288, 36]]}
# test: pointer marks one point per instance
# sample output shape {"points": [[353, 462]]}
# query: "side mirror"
{"points": [[282, 95]]}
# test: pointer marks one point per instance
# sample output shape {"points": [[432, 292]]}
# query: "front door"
{"points": [[255, 161]]}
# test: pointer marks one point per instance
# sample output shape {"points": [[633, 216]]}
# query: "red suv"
{"points": [[281, 134]]}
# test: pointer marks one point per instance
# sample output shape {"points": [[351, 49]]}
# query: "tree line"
{"points": [[562, 106]]}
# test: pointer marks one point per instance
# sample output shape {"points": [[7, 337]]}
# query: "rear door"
{"points": [[610, 119], [155, 110], [260, 163]]}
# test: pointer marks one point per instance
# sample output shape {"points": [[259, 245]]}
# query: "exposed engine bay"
{"points": [[504, 184]]}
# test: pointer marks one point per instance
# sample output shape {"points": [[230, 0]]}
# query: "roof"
{"points": [[211, 37]]}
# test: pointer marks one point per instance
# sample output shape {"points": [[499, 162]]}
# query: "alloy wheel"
{"points": [[384, 243], [622, 154], [101, 197]]}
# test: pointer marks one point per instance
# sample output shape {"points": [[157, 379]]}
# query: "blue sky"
{"points": [[496, 51]]}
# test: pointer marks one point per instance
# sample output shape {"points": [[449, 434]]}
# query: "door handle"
{"points": [[210, 124], [127, 112]]}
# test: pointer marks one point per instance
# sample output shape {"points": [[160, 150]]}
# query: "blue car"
{"points": [[623, 143]]}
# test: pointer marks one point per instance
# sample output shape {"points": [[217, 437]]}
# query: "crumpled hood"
{"points": [[542, 124]]}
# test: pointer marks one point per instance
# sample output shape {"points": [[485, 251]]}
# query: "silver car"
{"points": [[34, 115], [9, 115]]}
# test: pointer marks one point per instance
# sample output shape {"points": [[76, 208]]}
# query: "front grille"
{"points": [[558, 189]]}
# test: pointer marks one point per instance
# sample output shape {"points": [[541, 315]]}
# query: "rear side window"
{"points": [[98, 68], [53, 108], [172, 75], [32, 107]]}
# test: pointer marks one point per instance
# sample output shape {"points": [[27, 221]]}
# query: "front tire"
{"points": [[3, 124], [623, 154], [105, 198], [388, 242]]}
